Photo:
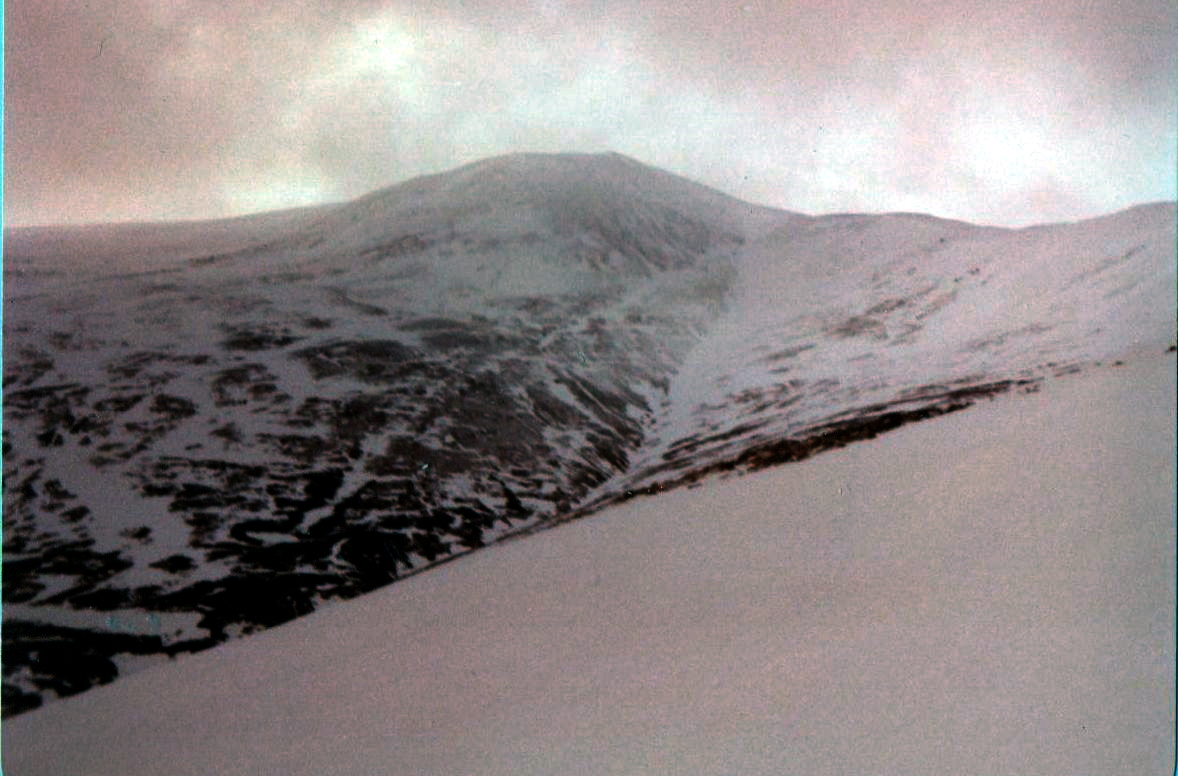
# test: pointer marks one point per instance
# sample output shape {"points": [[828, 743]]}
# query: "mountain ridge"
{"points": [[210, 438]]}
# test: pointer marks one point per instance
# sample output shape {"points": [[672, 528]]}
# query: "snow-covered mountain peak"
{"points": [[543, 179], [511, 227], [570, 215]]}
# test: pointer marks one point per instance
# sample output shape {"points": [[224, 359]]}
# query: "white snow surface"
{"points": [[989, 592]]}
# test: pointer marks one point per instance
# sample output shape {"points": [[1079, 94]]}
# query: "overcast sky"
{"points": [[1006, 112]]}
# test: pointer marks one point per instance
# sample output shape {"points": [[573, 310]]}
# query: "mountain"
{"points": [[211, 429]]}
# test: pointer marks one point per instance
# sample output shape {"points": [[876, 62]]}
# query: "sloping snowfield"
{"points": [[987, 592]]}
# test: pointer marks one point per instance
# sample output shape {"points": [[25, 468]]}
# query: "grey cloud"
{"points": [[1004, 112]]}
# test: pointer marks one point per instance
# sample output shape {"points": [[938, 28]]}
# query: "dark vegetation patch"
{"points": [[62, 412], [477, 334], [241, 385], [254, 599], [689, 445], [372, 361], [404, 245], [316, 323], [550, 410], [461, 338], [59, 410], [306, 449], [404, 455], [646, 239], [476, 327], [174, 564], [535, 307], [165, 412], [75, 558], [359, 415], [860, 325], [172, 408], [229, 432], [208, 261], [339, 296], [258, 337], [64, 661], [26, 366], [118, 403], [71, 341], [887, 306], [788, 353], [15, 700], [150, 366], [140, 534], [754, 401], [76, 514], [103, 599], [997, 340], [609, 406], [483, 413]]}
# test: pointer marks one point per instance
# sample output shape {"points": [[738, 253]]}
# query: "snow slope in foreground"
{"points": [[988, 592]]}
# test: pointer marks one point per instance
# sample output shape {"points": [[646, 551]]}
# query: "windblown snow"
{"points": [[213, 428]]}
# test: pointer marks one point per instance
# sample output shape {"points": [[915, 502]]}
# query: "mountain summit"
{"points": [[524, 223], [213, 429]]}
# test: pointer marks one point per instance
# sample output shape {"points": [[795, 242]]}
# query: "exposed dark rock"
{"points": [[15, 700], [371, 361], [258, 337], [64, 660], [174, 564], [26, 366]]}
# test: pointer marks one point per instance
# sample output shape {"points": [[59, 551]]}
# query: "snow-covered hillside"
{"points": [[991, 592], [855, 318], [211, 429]]}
